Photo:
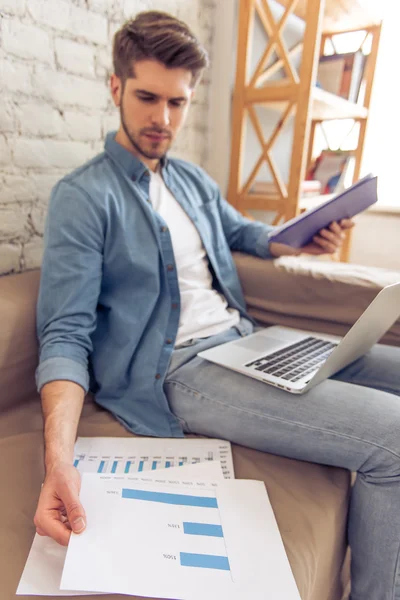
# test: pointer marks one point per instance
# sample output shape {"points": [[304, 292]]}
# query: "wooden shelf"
{"points": [[272, 198], [325, 106], [294, 96], [340, 15], [329, 106]]}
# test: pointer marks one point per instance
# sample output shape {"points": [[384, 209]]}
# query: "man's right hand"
{"points": [[59, 509]]}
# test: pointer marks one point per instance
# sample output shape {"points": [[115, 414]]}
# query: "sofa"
{"points": [[310, 501]]}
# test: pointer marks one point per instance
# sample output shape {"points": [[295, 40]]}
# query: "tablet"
{"points": [[299, 231]]}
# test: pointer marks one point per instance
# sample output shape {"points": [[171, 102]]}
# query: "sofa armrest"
{"points": [[315, 295], [18, 342]]}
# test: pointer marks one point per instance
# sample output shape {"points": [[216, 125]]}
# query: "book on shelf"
{"points": [[333, 169], [342, 74], [307, 188]]}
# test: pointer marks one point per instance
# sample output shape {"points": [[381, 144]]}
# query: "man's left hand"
{"points": [[327, 241]]}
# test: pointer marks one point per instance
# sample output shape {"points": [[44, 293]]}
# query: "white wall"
{"points": [[376, 240], [55, 59]]}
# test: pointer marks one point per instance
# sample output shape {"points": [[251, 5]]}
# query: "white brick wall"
{"points": [[26, 41], [38, 119], [55, 58], [75, 57]]}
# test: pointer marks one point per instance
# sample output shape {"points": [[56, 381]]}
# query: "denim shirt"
{"points": [[109, 304]]}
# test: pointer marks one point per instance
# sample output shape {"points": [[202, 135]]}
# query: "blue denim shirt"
{"points": [[109, 304]]}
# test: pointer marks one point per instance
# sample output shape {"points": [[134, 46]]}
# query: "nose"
{"points": [[161, 114]]}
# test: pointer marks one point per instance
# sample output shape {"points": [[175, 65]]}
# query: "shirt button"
{"points": [[163, 229], [158, 376], [170, 267], [174, 305], [168, 341]]}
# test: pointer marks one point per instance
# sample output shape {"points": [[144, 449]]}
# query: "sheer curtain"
{"points": [[381, 151]]}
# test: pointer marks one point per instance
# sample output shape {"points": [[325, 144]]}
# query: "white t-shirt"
{"points": [[204, 311]]}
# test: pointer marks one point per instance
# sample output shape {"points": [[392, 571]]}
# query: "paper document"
{"points": [[44, 567], [129, 455], [184, 540]]}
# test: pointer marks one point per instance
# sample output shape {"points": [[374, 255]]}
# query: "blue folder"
{"points": [[299, 231]]}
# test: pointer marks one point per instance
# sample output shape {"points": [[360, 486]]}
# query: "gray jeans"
{"points": [[351, 420]]}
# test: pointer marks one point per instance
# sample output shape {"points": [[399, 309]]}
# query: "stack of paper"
{"points": [[182, 532]]}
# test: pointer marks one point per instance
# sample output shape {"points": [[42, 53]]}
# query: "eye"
{"points": [[178, 103], [146, 98]]}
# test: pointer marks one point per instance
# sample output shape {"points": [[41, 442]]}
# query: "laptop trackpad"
{"points": [[260, 343]]}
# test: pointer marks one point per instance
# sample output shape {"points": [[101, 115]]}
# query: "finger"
{"points": [[331, 237], [75, 512], [346, 223], [335, 227], [49, 525], [325, 244]]}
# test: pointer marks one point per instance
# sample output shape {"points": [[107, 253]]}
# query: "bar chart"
{"points": [[127, 465], [188, 533], [125, 456]]}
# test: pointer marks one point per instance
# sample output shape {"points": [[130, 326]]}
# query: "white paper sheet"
{"points": [[43, 569], [175, 539], [130, 455]]}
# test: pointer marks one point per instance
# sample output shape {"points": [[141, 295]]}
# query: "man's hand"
{"points": [[327, 241], [59, 509]]}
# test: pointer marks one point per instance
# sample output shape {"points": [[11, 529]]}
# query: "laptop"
{"points": [[296, 360]]}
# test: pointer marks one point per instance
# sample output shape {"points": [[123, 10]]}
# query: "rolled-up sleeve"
{"points": [[243, 234], [70, 285]]}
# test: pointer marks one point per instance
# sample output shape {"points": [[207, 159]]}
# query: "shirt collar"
{"points": [[128, 161]]}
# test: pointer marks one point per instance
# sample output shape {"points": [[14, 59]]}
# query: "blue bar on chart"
{"points": [[76, 462], [101, 467], [114, 467], [154, 465], [204, 561], [167, 498], [167, 464], [203, 529], [127, 466], [141, 464]]}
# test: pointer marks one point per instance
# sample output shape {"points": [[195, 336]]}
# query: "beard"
{"points": [[153, 150]]}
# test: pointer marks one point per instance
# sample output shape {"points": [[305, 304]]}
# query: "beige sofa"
{"points": [[310, 501]]}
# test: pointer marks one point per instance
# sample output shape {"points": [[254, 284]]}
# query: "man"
{"points": [[138, 278]]}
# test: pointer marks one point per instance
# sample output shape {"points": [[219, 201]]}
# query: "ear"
{"points": [[116, 89]]}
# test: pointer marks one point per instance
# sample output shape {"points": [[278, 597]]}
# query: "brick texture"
{"points": [[55, 60]]}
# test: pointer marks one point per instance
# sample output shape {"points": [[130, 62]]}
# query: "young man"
{"points": [[138, 278]]}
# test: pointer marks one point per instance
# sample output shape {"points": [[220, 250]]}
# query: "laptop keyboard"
{"points": [[296, 361]]}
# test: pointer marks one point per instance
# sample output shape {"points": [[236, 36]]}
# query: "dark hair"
{"points": [[156, 35]]}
